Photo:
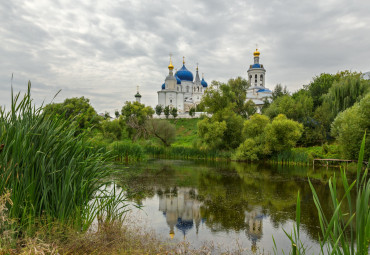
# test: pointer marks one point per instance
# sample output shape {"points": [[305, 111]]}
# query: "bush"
{"points": [[162, 130], [282, 134], [248, 150], [349, 126]]}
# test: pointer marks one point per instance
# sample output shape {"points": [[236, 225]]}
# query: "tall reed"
{"points": [[52, 173], [346, 231]]}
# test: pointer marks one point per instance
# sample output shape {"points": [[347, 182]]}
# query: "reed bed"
{"points": [[179, 152], [291, 157], [53, 174], [347, 230], [125, 151]]}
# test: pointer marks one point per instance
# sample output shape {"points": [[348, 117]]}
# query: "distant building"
{"points": [[366, 76], [181, 90], [257, 91], [138, 96]]}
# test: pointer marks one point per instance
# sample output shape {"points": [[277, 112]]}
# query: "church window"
{"points": [[177, 88], [261, 77], [198, 89], [187, 89], [171, 101]]}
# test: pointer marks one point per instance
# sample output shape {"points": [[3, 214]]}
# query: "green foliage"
{"points": [[174, 112], [126, 151], [211, 132], [279, 91], [52, 173], [166, 111], [250, 108], [255, 125], [75, 109], [135, 115], [232, 136], [162, 130], [345, 92], [320, 86], [282, 134], [220, 95], [159, 109], [113, 129], [349, 126], [192, 112], [248, 150]]}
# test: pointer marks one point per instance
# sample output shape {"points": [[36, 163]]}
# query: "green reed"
{"points": [[125, 151], [51, 171], [346, 231], [291, 157]]}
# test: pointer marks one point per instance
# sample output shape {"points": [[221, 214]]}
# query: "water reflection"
{"points": [[206, 201], [180, 209]]}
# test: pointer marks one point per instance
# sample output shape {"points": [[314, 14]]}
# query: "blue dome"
{"points": [[184, 74], [263, 90], [178, 80], [163, 86], [204, 83], [256, 66]]}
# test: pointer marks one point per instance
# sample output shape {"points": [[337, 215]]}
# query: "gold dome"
{"points": [[172, 234], [170, 66], [256, 53]]}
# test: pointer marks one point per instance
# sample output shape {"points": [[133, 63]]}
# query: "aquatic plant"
{"points": [[346, 231], [50, 169]]}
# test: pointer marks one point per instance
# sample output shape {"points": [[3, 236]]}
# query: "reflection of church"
{"points": [[181, 210], [254, 224]]}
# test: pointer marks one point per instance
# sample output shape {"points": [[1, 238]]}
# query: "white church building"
{"points": [[257, 91], [181, 90]]}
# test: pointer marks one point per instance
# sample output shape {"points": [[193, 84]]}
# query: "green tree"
{"points": [[192, 111], [255, 125], [164, 131], [279, 91], [78, 110], [346, 92], [248, 150], [159, 109], [135, 114], [349, 127], [211, 132], [250, 108], [113, 129], [166, 111], [320, 86], [174, 112], [282, 134]]}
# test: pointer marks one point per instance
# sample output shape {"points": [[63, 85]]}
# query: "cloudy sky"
{"points": [[104, 49]]}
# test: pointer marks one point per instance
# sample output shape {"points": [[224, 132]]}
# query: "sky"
{"points": [[103, 50]]}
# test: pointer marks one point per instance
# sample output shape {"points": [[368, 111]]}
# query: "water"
{"points": [[230, 204]]}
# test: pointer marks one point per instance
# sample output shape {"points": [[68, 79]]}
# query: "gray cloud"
{"points": [[104, 50]]}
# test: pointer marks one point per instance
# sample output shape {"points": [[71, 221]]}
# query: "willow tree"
{"points": [[346, 92]]}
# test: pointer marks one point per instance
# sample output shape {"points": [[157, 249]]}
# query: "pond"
{"points": [[230, 204]]}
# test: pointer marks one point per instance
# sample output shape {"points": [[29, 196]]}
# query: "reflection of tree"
{"points": [[236, 196]]}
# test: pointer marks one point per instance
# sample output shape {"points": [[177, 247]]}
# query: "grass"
{"points": [[346, 231], [51, 172], [186, 131]]}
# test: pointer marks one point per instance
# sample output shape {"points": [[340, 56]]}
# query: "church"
{"points": [[257, 92], [181, 90]]}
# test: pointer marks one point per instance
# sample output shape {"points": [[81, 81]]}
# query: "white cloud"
{"points": [[105, 49]]}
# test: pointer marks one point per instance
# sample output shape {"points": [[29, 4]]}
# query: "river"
{"points": [[227, 203]]}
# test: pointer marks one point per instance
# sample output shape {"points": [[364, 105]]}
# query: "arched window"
{"points": [[198, 89], [187, 89], [261, 77]]}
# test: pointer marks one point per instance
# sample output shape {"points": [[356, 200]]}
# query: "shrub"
{"points": [[349, 126]]}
